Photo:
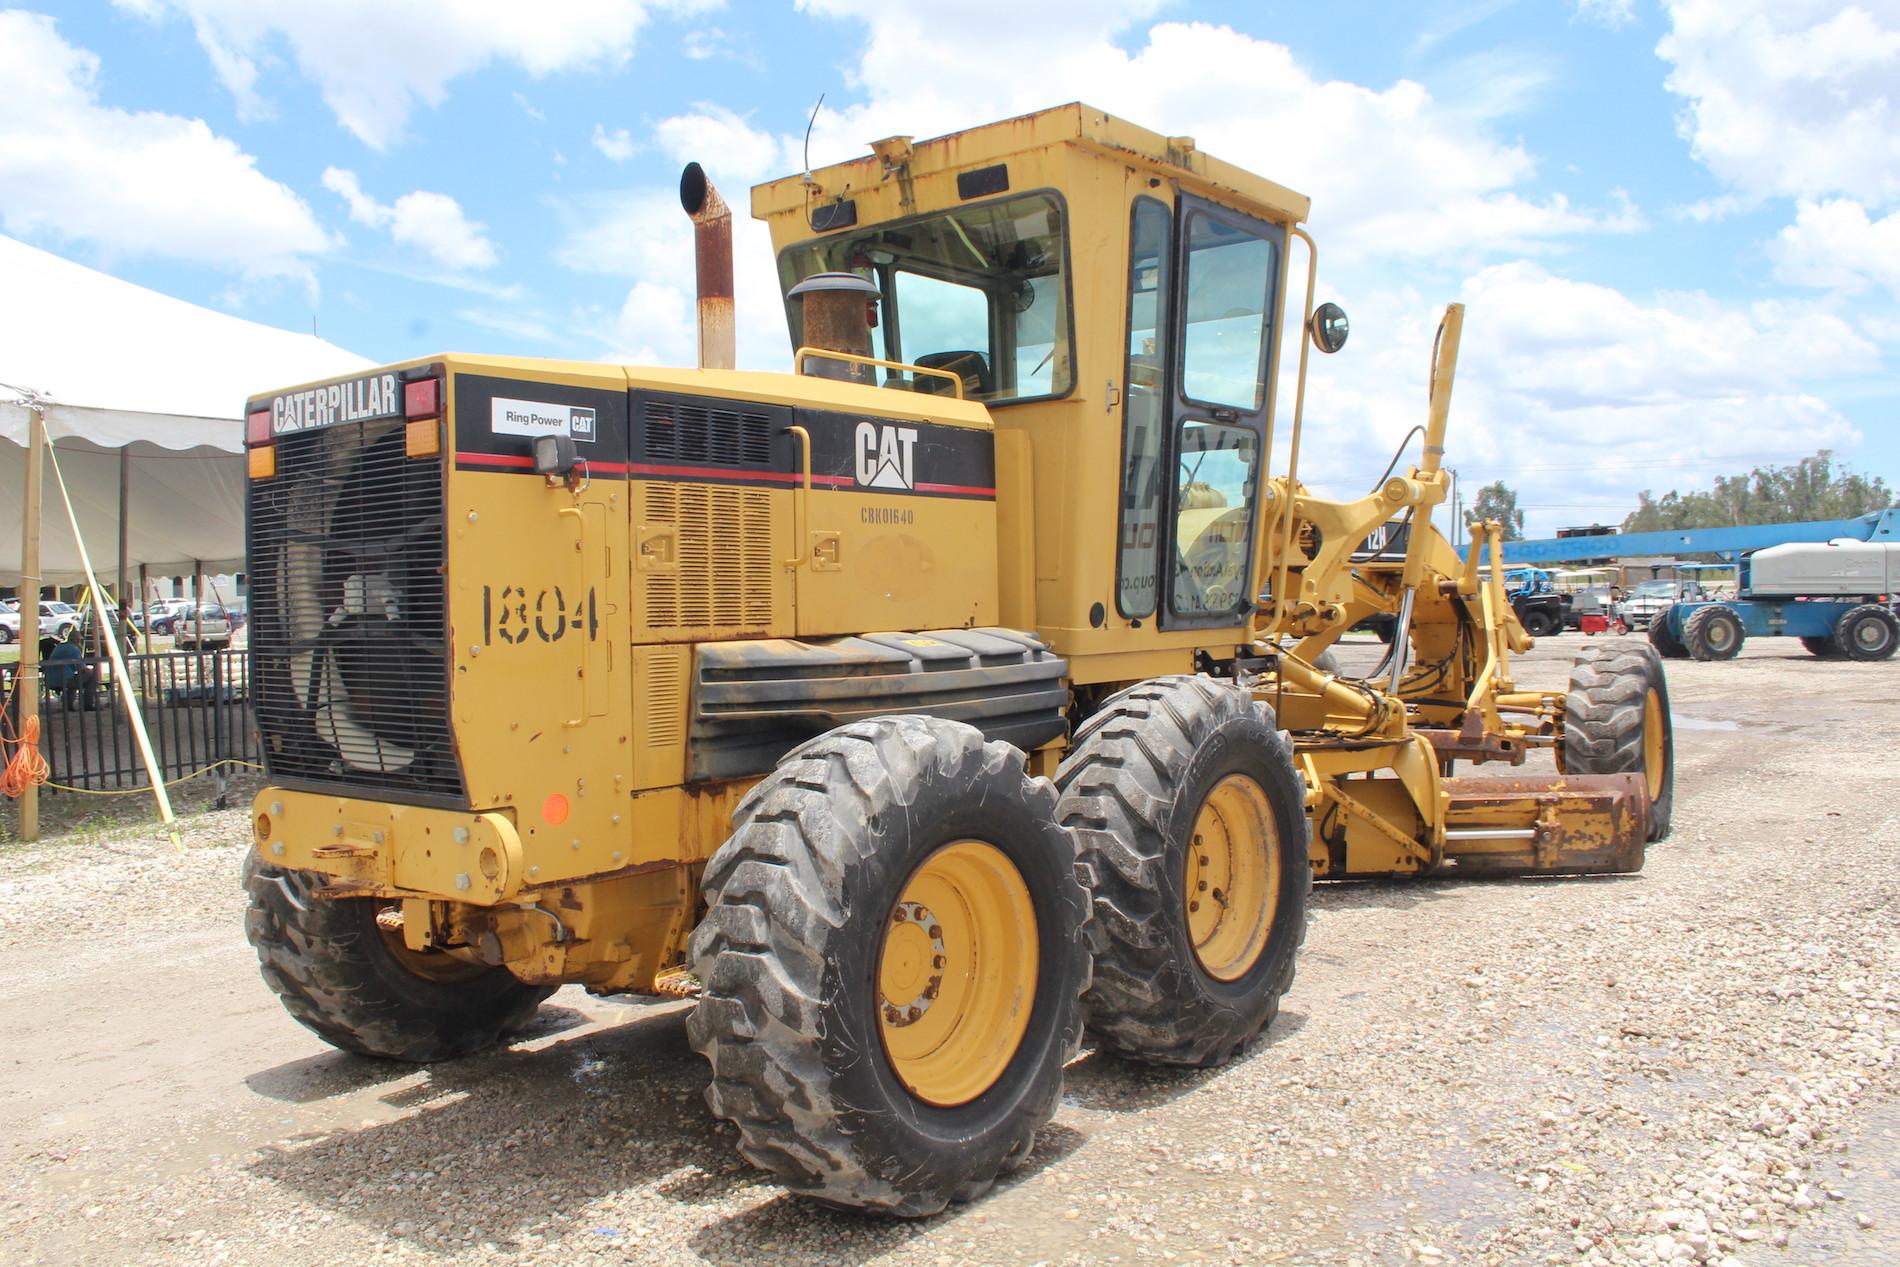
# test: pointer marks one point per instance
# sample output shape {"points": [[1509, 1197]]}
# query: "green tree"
{"points": [[1496, 501], [1813, 488]]}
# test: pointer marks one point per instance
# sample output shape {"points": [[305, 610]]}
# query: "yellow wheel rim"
{"points": [[1653, 744], [1233, 878], [956, 973]]}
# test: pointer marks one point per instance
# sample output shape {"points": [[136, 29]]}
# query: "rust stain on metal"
{"points": [[712, 267]]}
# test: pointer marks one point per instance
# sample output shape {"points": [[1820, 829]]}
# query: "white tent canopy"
{"points": [[125, 374]]}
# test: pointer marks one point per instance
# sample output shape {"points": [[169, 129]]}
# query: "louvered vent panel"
{"points": [[703, 433], [724, 552], [665, 702]]}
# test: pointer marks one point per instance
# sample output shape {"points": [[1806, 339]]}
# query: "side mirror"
{"points": [[1329, 327]]}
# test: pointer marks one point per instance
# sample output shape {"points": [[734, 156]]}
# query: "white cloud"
{"points": [[139, 183], [616, 145], [723, 141], [432, 223], [375, 62], [1614, 14], [1835, 245], [1790, 98], [644, 237], [1576, 394], [363, 209], [1390, 171]]}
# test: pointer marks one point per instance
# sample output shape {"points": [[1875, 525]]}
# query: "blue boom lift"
{"points": [[1829, 583]]}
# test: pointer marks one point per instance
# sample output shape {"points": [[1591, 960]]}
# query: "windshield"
{"points": [[1654, 589], [980, 290]]}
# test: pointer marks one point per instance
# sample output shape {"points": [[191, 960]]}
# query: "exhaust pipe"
{"points": [[712, 263]]}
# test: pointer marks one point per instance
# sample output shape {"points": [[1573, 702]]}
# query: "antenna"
{"points": [[809, 125]]}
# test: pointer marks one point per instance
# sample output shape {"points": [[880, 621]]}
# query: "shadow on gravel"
{"points": [[1108, 1083], [313, 1078], [515, 1140], [767, 1233], [1404, 895]]}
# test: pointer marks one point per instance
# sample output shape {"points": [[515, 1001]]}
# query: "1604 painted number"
{"points": [[514, 614]]}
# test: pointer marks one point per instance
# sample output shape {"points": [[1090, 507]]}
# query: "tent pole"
{"points": [[29, 679], [198, 604], [127, 691], [125, 523]]}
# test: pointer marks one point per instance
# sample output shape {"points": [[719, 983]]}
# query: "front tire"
{"points": [[1617, 721], [1538, 623], [356, 987], [1713, 633], [1821, 648], [1190, 818], [1867, 632], [892, 956], [1667, 645]]}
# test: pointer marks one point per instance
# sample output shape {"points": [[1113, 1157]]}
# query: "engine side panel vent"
{"points": [[348, 632], [707, 431], [721, 581]]}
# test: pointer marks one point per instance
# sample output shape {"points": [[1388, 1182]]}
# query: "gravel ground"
{"points": [[1696, 1064]]}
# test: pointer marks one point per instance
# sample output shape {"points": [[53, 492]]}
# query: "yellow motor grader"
{"points": [[910, 711]]}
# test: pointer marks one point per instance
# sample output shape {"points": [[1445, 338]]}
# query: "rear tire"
{"points": [[6, 635], [343, 978], [1713, 633], [1617, 721], [1867, 632], [1137, 788], [1667, 645], [1538, 623], [833, 863]]}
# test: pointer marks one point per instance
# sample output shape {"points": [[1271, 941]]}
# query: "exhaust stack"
{"points": [[712, 263]]}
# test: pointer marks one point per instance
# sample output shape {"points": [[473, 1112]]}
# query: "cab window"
{"points": [[981, 290], [1224, 325], [1143, 410], [1213, 529]]}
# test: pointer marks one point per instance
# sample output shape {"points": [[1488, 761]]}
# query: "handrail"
{"points": [[798, 363], [802, 509]]}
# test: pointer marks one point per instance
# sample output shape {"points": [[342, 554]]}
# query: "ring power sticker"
{"points": [[538, 418]]}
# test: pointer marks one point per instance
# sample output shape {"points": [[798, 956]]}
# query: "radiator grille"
{"points": [[698, 431], [349, 648], [724, 577]]}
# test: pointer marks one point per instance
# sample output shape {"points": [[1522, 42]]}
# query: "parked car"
{"points": [[194, 631], [57, 620], [162, 613], [1652, 597]]}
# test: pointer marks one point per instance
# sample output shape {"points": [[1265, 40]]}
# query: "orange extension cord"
{"points": [[26, 767]]}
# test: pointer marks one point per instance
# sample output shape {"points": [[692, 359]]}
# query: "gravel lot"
{"points": [[1696, 1064]]}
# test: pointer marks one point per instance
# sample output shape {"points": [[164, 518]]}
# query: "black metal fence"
{"points": [[196, 705]]}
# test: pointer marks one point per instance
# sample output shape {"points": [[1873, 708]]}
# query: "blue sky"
{"points": [[1676, 225]]}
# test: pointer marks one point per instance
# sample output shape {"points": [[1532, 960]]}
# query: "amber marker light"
{"points": [[422, 438], [262, 461]]}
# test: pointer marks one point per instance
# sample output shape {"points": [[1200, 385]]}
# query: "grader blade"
{"points": [[1584, 824]]}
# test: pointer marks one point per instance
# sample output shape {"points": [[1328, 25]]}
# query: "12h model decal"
{"points": [[886, 456]]}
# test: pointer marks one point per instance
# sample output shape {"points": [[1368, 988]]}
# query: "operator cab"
{"points": [[1114, 298]]}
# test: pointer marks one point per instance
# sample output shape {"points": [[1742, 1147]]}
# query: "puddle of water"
{"points": [[1684, 722]]}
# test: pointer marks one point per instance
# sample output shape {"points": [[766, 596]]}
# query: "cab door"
{"points": [[1226, 283]]}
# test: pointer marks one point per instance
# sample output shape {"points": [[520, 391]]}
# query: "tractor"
{"points": [[910, 712]]}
